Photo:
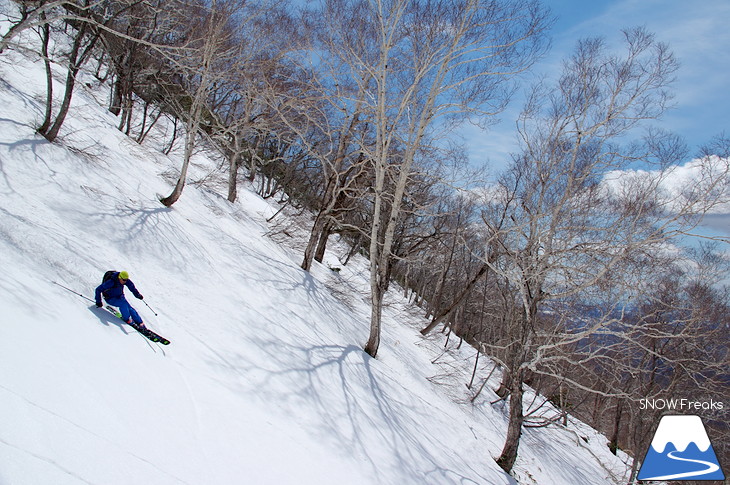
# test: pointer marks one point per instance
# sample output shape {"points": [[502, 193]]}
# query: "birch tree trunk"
{"points": [[334, 183], [424, 72], [191, 131], [76, 59], [45, 39], [508, 456], [208, 47]]}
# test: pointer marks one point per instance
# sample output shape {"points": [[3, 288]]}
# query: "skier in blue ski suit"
{"points": [[113, 291]]}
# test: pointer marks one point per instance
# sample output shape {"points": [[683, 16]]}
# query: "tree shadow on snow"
{"points": [[377, 422], [148, 227]]}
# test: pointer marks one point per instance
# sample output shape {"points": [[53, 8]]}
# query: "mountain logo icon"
{"points": [[681, 450]]}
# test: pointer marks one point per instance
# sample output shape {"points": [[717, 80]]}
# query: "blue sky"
{"points": [[699, 34]]}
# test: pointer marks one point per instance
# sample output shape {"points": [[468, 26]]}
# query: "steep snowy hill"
{"points": [[264, 382]]}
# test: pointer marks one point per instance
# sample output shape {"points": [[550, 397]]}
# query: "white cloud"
{"points": [[679, 184]]}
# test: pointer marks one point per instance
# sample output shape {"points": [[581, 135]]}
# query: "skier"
{"points": [[113, 291]]}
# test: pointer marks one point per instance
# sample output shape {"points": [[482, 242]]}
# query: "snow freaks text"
{"points": [[680, 404]]}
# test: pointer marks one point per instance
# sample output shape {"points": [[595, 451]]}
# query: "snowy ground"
{"points": [[265, 381]]}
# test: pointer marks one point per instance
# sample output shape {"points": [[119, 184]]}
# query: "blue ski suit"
{"points": [[113, 291]]}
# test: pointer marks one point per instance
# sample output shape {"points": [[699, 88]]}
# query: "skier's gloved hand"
{"points": [[140, 296]]}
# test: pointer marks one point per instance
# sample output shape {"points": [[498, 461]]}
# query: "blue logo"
{"points": [[681, 450]]}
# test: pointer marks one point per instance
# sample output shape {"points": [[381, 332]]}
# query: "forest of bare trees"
{"points": [[577, 269]]}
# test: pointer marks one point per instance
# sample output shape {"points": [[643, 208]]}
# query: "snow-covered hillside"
{"points": [[264, 382]]}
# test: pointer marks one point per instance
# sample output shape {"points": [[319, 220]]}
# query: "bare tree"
{"points": [[429, 61], [575, 231], [326, 110], [91, 21], [31, 15], [405, 66], [144, 27], [246, 127], [84, 40], [209, 49]]}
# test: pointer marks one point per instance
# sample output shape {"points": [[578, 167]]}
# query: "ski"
{"points": [[146, 332], [150, 334]]}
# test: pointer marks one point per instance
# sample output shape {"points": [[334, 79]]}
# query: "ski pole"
{"points": [[74, 292], [150, 308]]}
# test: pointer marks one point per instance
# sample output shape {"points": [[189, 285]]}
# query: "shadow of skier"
{"points": [[107, 319]]}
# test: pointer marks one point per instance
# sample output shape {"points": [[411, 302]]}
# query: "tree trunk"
{"points": [[75, 62], [435, 305], [322, 245], [505, 385], [438, 318], [376, 312], [146, 129], [177, 191], [514, 429], [115, 104], [613, 443], [52, 133], [234, 164], [167, 150], [314, 237], [127, 107], [354, 249], [233, 178], [318, 237], [45, 37], [376, 260]]}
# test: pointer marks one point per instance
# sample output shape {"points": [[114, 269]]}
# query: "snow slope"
{"points": [[265, 381]]}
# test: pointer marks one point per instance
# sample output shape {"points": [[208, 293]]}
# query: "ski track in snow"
{"points": [[83, 429]]}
